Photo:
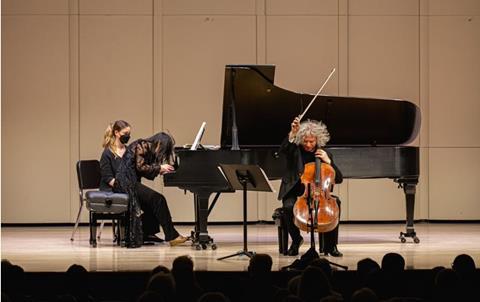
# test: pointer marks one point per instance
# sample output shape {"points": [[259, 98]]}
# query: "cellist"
{"points": [[302, 146]]}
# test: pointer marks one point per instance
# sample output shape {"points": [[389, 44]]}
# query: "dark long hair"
{"points": [[163, 145]]}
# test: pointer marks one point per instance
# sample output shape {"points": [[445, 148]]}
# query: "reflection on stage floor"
{"points": [[39, 249]]}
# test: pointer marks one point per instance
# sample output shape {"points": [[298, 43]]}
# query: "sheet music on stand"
{"points": [[230, 174]]}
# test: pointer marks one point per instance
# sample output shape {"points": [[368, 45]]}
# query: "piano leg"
{"points": [[200, 237], [409, 188]]}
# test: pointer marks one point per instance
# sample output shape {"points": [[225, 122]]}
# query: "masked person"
{"points": [[153, 209]]}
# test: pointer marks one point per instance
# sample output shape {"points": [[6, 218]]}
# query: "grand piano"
{"points": [[369, 139]]}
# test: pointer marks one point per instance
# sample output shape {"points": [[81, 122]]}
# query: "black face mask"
{"points": [[124, 138]]}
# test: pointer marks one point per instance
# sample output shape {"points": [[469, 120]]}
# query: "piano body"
{"points": [[368, 140]]}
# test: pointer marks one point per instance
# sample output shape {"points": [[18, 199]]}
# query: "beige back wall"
{"points": [[71, 66]]}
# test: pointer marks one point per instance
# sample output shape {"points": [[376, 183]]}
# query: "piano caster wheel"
{"points": [[94, 244], [198, 247], [412, 234], [204, 246], [214, 246]]}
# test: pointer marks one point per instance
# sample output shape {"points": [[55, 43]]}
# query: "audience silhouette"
{"points": [[372, 282], [187, 287]]}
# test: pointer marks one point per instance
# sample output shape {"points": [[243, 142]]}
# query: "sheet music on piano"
{"points": [[198, 138]]}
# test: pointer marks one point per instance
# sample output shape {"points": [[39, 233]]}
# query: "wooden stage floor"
{"points": [[49, 249]]}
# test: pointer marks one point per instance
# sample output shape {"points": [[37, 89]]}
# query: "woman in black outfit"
{"points": [[303, 145], [122, 168]]}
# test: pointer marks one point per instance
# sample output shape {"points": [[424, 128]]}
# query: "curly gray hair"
{"points": [[314, 128]]}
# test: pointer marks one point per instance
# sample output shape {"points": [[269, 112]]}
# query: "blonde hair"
{"points": [[109, 135], [314, 128]]}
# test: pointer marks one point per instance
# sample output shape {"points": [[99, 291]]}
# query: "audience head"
{"points": [[292, 298], [375, 280], [213, 297], [293, 285], [150, 296], [281, 294], [163, 284], [324, 265], [160, 269], [260, 265], [433, 275], [314, 285], [6, 266], [365, 268], [393, 263], [332, 298], [364, 295], [77, 279], [464, 265], [437, 269], [76, 270], [446, 285], [182, 264], [13, 280], [5, 263], [182, 271], [366, 265], [446, 278]]}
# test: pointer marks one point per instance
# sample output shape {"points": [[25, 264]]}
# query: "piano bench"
{"points": [[279, 219]]}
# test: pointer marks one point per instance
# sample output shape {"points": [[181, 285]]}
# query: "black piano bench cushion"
{"points": [[106, 202]]}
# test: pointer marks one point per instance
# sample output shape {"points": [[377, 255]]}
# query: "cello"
{"points": [[317, 202]]}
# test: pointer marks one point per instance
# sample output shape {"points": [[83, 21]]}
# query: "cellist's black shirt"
{"points": [[307, 156]]}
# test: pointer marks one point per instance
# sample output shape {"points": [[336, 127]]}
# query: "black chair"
{"points": [[101, 205], [279, 218]]}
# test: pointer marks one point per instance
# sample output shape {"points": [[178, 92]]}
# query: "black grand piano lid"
{"points": [[264, 113]]}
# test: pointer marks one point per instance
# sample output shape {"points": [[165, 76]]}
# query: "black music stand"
{"points": [[246, 178]]}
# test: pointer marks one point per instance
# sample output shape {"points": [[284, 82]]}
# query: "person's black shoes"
{"points": [[293, 250], [152, 239], [334, 252]]}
